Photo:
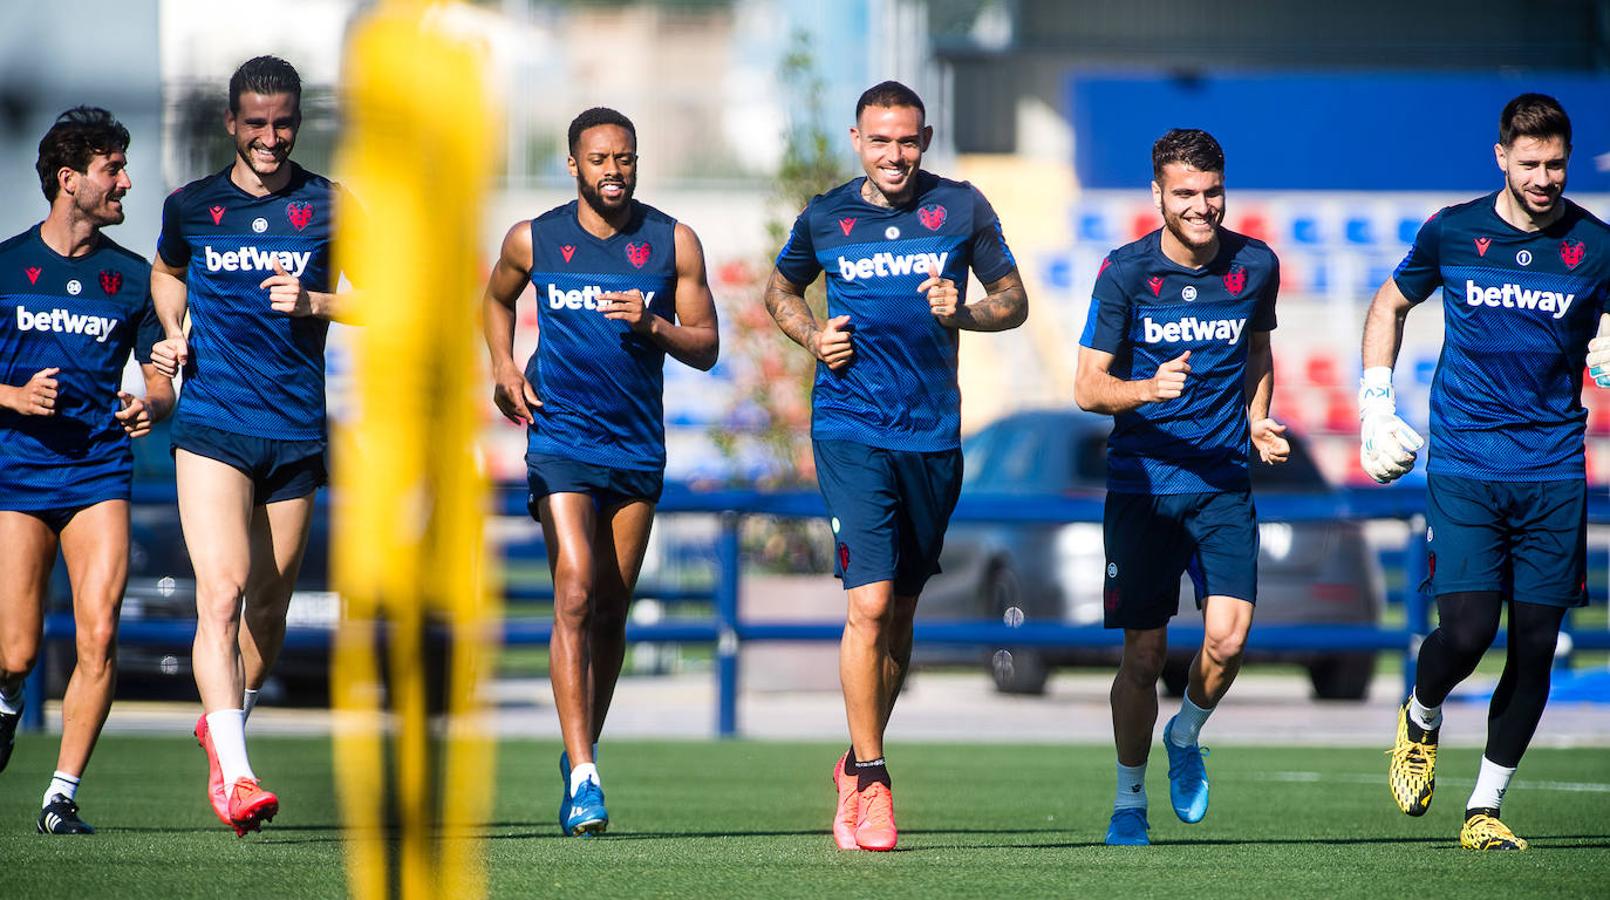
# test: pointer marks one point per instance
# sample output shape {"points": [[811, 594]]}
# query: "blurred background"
{"points": [[1344, 127]]}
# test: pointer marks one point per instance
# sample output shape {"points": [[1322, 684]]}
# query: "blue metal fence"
{"points": [[727, 629]]}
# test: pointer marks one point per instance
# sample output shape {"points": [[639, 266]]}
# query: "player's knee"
{"points": [[16, 661], [1224, 647], [870, 614], [608, 617], [1142, 663], [573, 606], [1469, 639], [96, 642], [224, 592]]}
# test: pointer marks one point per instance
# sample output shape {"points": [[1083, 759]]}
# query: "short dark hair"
{"points": [[1535, 116], [1192, 147], [592, 118], [78, 136], [889, 94], [264, 75]]}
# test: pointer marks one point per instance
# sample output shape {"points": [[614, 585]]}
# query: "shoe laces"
{"points": [[1190, 766], [590, 794], [877, 805], [1413, 758], [1131, 812]]}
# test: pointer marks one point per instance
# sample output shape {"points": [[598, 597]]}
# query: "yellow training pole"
{"points": [[418, 152]]}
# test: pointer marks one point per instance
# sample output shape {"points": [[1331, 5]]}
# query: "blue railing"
{"points": [[728, 630]]}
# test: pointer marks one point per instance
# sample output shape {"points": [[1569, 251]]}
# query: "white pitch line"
{"points": [[1572, 787]]}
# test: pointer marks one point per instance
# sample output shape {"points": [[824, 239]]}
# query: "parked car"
{"points": [[162, 588], [1310, 573]]}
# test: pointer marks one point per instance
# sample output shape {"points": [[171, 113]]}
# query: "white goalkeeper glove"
{"points": [[1599, 361], [1389, 445]]}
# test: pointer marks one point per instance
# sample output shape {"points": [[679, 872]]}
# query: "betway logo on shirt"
{"points": [[883, 265], [251, 259], [63, 322], [1193, 330], [583, 298], [1513, 296]]}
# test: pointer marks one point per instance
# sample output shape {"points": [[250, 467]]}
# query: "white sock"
{"points": [[248, 702], [581, 774], [1427, 717], [1490, 786], [227, 728], [1188, 724], [11, 704], [61, 783], [1131, 787]]}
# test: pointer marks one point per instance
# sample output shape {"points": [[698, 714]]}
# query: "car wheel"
{"points": [[1016, 670], [1176, 675], [1345, 677]]}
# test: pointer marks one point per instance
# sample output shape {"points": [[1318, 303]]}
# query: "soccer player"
{"points": [[886, 407], [75, 305], [247, 252], [1525, 277], [1176, 350], [619, 285]]}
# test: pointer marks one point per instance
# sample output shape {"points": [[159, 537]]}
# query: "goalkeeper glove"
{"points": [[1599, 360], [1389, 445]]}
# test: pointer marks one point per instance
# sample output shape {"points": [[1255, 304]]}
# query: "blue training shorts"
{"points": [[1525, 539], [279, 470], [1152, 540], [609, 487], [889, 510]]}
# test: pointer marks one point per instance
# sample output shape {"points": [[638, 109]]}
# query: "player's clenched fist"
{"points": [[943, 298], [37, 397], [170, 355], [1169, 382], [514, 395], [1599, 360], [286, 293], [135, 416], [1388, 447], [628, 307], [832, 344]]}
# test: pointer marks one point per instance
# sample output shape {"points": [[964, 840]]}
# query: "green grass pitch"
{"points": [[699, 819]]}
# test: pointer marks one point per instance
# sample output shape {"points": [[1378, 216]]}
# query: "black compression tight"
{"points": [[1467, 624]]}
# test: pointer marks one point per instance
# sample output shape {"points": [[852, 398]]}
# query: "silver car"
{"points": [[1308, 573]]}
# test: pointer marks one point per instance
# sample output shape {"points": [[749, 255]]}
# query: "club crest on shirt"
{"points": [[931, 216], [638, 254], [111, 281], [1235, 280], [1571, 253], [300, 214]]}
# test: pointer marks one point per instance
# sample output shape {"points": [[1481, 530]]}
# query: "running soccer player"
{"points": [[1525, 278], [74, 305], [1176, 350], [886, 407], [247, 252], [619, 285]]}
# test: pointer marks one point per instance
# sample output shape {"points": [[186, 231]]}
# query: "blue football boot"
{"points": [[1128, 828], [1187, 778], [564, 800], [587, 814]]}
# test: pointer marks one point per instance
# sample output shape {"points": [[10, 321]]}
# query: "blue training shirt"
{"points": [[601, 384], [1147, 309], [83, 315], [1519, 308], [899, 391], [252, 370]]}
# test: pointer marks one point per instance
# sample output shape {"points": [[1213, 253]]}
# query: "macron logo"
{"points": [[883, 265], [251, 259], [1193, 330], [64, 322], [583, 298], [1513, 296]]}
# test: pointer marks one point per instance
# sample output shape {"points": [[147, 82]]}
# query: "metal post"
{"points": [[1416, 609], [727, 575]]}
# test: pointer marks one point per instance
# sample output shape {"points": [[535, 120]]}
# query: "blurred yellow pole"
{"points": [[418, 152]]}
